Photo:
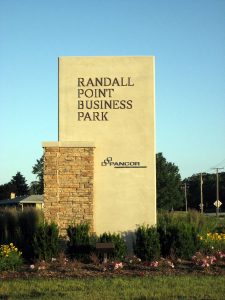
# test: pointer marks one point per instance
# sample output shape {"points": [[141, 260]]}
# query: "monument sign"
{"points": [[108, 103]]}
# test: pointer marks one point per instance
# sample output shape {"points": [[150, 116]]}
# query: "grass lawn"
{"points": [[139, 288]]}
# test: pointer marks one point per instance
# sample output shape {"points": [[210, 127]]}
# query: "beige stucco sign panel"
{"points": [[111, 101]]}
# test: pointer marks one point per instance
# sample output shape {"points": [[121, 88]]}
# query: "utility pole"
{"points": [[201, 195], [217, 188], [185, 196], [185, 187]]}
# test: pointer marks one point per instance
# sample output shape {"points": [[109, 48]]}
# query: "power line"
{"points": [[220, 163]]}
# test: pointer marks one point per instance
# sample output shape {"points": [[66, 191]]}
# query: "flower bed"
{"points": [[63, 267], [212, 242]]}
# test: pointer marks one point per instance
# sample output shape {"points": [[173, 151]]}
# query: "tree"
{"points": [[168, 182], [6, 190], [21, 187], [208, 191], [37, 187]]}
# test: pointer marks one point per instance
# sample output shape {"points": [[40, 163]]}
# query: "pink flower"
{"points": [[170, 264], [154, 264], [212, 259], [118, 265], [205, 264], [221, 254]]}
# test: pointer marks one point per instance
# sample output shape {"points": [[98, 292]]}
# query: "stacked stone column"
{"points": [[68, 184]]}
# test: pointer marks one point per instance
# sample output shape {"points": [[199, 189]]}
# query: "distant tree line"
{"points": [[170, 186], [208, 190], [18, 183]]}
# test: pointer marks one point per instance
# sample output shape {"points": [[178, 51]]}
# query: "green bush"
{"points": [[178, 239], [80, 243], [79, 234], [215, 224], [46, 242], [119, 243], [200, 222], [220, 228], [178, 233], [147, 245], [10, 258]]}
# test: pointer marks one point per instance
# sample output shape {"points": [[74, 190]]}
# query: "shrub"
{"points": [[193, 217], [119, 243], [79, 234], [10, 258], [178, 239], [147, 245], [46, 242], [178, 233], [80, 243], [220, 228]]}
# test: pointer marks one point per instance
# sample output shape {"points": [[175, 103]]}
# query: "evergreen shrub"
{"points": [[178, 239], [119, 244], [46, 242], [80, 243], [147, 246]]}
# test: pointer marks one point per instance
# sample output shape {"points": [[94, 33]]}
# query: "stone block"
{"points": [[68, 175]]}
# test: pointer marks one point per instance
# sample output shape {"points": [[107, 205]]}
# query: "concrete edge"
{"points": [[69, 144]]}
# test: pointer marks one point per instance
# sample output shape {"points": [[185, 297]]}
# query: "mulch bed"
{"points": [[74, 269]]}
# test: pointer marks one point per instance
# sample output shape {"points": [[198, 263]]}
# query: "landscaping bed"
{"points": [[189, 244], [64, 268]]}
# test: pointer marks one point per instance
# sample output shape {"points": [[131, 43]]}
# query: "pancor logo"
{"points": [[121, 164]]}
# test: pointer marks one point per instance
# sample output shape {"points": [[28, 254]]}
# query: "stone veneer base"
{"points": [[68, 183]]}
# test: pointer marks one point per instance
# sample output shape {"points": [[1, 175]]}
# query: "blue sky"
{"points": [[186, 37]]}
